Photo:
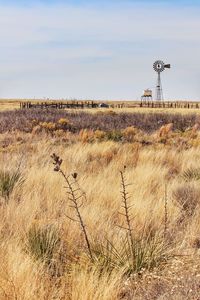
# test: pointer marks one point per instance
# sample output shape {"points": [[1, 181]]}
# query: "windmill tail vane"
{"points": [[168, 66]]}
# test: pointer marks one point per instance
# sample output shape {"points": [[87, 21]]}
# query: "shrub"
{"points": [[48, 126], [99, 135], [64, 123]]}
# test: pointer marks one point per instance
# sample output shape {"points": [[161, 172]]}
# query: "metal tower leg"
{"points": [[159, 92]]}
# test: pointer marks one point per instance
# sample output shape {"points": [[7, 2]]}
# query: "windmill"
{"points": [[159, 66]]}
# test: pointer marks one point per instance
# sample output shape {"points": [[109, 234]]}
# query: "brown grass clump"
{"points": [[187, 197], [130, 133], [99, 135], [195, 128], [86, 136], [165, 130], [36, 130]]}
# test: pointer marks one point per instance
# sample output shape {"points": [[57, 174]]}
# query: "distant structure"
{"points": [[103, 105], [159, 66], [147, 95]]}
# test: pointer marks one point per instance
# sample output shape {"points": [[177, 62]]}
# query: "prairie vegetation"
{"points": [[112, 214], [74, 121]]}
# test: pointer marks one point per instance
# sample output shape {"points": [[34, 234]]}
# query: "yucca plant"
{"points": [[148, 252], [145, 253], [8, 180], [133, 252], [145, 250], [41, 243]]}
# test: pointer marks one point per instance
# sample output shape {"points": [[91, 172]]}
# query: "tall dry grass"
{"points": [[41, 202]]}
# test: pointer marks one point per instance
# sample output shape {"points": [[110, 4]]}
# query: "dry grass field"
{"points": [[101, 206], [6, 104]]}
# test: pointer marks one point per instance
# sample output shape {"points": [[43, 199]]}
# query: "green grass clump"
{"points": [[41, 243], [115, 135], [8, 181]]}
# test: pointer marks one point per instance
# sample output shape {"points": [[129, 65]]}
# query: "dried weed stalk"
{"points": [[166, 213], [75, 196], [126, 207]]}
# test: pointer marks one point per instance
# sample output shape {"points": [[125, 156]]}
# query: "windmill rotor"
{"points": [[159, 66]]}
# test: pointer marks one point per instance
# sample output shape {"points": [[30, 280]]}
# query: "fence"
{"points": [[58, 105], [92, 104], [168, 104], [159, 104]]}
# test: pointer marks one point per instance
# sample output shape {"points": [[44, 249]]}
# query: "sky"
{"points": [[98, 49]]}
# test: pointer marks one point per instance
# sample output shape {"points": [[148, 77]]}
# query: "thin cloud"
{"points": [[95, 51]]}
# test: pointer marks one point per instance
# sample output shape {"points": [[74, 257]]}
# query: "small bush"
{"points": [[48, 126], [99, 135], [64, 123]]}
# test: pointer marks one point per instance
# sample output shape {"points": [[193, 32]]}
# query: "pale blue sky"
{"points": [[98, 49]]}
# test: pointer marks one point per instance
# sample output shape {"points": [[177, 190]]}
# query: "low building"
{"points": [[103, 105]]}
